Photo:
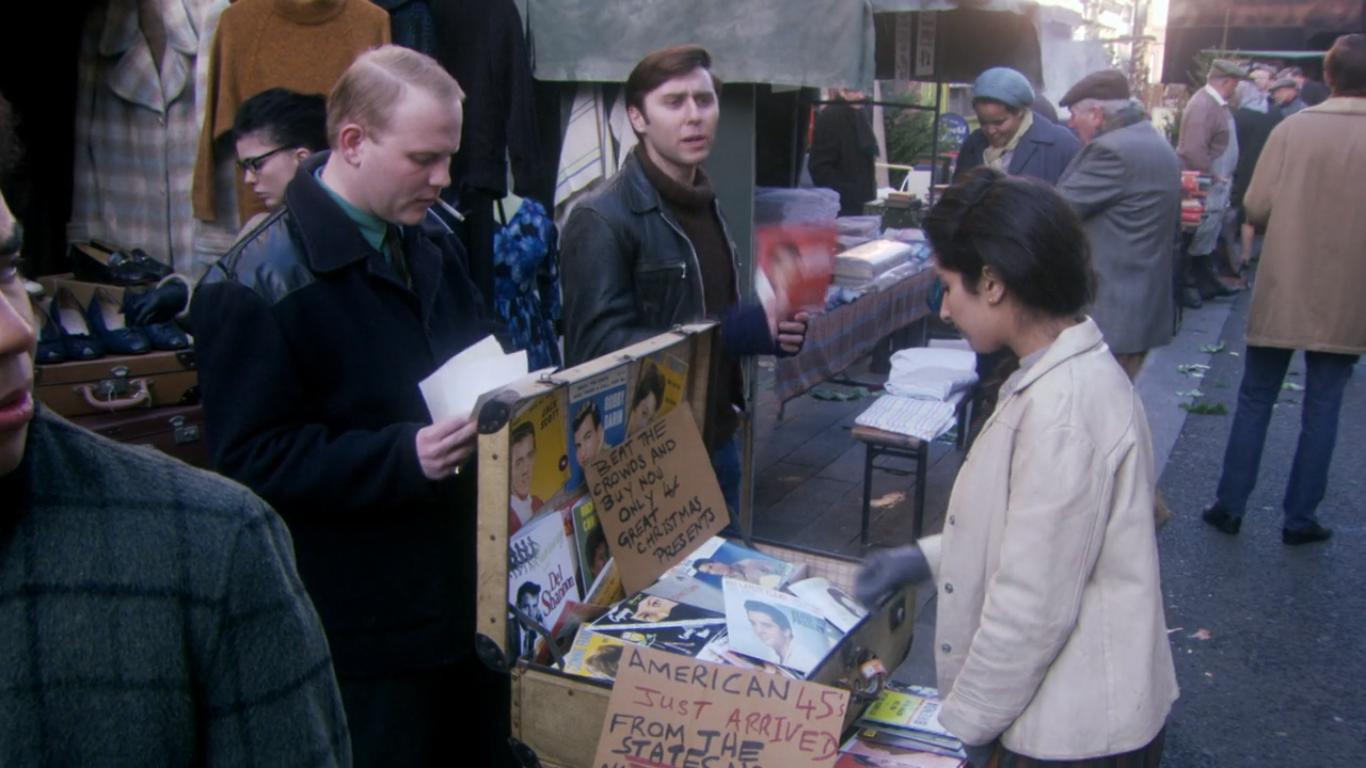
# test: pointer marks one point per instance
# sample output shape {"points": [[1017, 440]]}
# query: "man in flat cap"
{"points": [[1285, 97], [1209, 144], [1126, 187], [1012, 138]]}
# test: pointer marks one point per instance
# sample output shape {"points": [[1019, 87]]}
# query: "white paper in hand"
{"points": [[456, 386]]}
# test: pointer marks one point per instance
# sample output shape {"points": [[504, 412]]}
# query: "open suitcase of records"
{"points": [[557, 599]]}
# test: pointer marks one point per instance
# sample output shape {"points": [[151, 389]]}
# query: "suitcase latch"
{"points": [[184, 433]]}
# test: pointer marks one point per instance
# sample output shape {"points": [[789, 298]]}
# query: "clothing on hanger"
{"points": [[135, 128], [302, 45]]}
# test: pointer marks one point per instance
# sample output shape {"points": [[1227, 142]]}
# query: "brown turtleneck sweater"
{"points": [[691, 207], [302, 45]]}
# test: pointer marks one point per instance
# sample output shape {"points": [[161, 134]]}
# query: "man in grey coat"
{"points": [[1126, 186]]}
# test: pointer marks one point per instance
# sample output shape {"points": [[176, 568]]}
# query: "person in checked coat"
{"points": [[1126, 187]]}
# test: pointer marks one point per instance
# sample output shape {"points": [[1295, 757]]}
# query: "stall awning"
{"points": [[820, 43]]}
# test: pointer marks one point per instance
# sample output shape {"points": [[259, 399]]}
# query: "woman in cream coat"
{"points": [[1050, 642]]}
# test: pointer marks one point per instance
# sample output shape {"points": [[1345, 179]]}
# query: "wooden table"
{"points": [[838, 338]]}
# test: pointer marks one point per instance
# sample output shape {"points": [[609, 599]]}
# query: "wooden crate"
{"points": [[556, 717]]}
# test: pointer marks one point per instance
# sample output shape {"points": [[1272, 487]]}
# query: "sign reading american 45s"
{"points": [[670, 711]]}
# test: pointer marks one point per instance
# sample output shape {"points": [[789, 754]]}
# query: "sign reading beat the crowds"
{"points": [[657, 498]]}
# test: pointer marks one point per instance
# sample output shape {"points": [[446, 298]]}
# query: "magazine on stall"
{"points": [[590, 541], [596, 418], [537, 468], [594, 655], [697, 580], [777, 627], [660, 380], [687, 639], [830, 601], [857, 752], [645, 609], [795, 265], [541, 580], [910, 709]]}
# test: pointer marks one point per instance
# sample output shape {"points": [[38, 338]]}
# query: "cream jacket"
{"points": [[1050, 628]]}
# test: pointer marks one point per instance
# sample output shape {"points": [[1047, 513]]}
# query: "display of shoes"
{"points": [[166, 336], [105, 317], [51, 350], [77, 340], [1296, 536], [97, 262], [1222, 520]]}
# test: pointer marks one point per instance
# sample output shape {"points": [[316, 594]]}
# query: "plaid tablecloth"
{"points": [[835, 339]]}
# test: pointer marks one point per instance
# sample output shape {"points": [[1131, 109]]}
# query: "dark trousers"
{"points": [[1148, 756], [456, 715], [1325, 379]]}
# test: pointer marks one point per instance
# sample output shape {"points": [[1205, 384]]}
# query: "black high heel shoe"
{"points": [[106, 320], [69, 316], [51, 350]]}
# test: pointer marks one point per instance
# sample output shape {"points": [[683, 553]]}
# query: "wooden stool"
{"points": [[878, 442]]}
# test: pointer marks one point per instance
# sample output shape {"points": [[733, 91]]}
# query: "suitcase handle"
{"points": [[142, 395]]}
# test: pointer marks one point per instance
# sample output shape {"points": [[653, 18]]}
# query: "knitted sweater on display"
{"points": [[302, 45]]}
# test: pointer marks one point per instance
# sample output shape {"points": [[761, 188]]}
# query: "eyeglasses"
{"points": [[254, 164]]}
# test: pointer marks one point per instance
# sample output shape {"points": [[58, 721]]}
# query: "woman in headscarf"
{"points": [[1013, 139]]}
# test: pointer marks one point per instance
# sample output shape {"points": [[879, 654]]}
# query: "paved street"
{"points": [[1269, 640]]}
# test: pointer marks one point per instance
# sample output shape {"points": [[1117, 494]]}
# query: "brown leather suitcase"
{"points": [[119, 383], [176, 430]]}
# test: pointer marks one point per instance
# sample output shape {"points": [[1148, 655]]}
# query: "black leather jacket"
{"points": [[628, 270]]}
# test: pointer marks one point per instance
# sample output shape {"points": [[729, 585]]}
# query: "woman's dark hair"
{"points": [[1020, 228], [290, 119], [1345, 65]]}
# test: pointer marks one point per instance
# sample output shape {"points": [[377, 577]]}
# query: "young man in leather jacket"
{"points": [[650, 249]]}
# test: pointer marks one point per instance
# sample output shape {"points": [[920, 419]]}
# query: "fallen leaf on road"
{"points": [[1213, 348], [1205, 409], [1201, 634], [888, 500], [1194, 369], [1190, 393], [1210, 675], [1175, 629], [1234, 354], [1292, 386]]}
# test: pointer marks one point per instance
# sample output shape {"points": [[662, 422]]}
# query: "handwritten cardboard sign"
{"points": [[657, 498], [670, 711]]}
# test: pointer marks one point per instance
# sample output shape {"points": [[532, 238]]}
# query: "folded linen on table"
{"points": [[931, 373]]}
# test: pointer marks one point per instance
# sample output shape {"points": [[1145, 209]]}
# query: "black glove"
{"points": [[158, 305], [888, 570], [980, 755]]}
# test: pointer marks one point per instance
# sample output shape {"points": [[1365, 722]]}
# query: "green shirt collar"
{"points": [[372, 227]]}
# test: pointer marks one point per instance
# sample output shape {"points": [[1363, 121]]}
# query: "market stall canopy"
{"points": [[1254, 25], [818, 43]]}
